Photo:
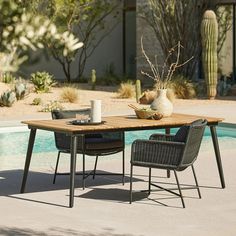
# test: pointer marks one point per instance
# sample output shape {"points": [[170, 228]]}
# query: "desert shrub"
{"points": [[201, 88], [52, 105], [69, 94], [126, 90], [37, 101], [182, 87], [8, 78], [42, 81], [109, 80], [110, 77]]}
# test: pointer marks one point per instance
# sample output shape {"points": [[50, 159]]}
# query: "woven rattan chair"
{"points": [[170, 152], [96, 144]]}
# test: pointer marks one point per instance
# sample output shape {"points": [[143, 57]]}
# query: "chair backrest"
{"points": [[64, 114], [62, 141], [194, 135]]}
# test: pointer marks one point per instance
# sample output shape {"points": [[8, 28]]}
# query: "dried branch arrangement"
{"points": [[162, 75]]}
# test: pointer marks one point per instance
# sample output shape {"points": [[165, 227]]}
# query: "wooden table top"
{"points": [[118, 123]]}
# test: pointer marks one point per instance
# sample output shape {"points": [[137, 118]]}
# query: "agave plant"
{"points": [[42, 81], [20, 90], [7, 98]]}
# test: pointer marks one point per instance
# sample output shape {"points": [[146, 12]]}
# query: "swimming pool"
{"points": [[14, 142]]}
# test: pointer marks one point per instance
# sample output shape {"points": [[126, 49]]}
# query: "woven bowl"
{"points": [[145, 114]]}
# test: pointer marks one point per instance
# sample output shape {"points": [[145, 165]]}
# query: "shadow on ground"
{"points": [[10, 182], [113, 194], [13, 231]]}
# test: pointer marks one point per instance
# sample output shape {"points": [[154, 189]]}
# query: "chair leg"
{"points": [[131, 182], [55, 173], [149, 181], [195, 178], [95, 167], [123, 167], [83, 171], [168, 173], [180, 192]]}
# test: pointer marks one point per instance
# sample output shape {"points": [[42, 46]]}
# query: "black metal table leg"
{"points": [[28, 158], [82, 139], [73, 150], [123, 167], [217, 153]]}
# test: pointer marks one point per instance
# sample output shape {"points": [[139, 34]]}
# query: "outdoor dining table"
{"points": [[113, 123]]}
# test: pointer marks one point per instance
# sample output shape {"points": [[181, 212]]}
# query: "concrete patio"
{"points": [[102, 208]]}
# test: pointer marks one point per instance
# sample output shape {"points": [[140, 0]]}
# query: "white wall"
{"points": [[225, 57]]}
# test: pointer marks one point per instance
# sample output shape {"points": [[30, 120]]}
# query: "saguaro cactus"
{"points": [[209, 33], [93, 79]]}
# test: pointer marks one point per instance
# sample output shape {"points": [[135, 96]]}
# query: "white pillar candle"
{"points": [[96, 111]]}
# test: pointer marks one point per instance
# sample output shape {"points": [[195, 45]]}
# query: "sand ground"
{"points": [[111, 105], [102, 209]]}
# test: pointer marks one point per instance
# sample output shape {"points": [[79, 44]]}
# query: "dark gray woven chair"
{"points": [[95, 144], [170, 152]]}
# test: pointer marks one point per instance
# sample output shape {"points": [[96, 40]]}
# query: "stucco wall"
{"points": [[109, 51]]}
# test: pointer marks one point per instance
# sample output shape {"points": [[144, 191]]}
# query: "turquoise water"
{"points": [[15, 143]]}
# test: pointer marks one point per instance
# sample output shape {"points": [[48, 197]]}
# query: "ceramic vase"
{"points": [[162, 104]]}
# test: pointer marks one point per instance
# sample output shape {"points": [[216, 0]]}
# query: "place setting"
{"points": [[94, 118]]}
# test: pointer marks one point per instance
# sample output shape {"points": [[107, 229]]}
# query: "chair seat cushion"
{"points": [[102, 143]]}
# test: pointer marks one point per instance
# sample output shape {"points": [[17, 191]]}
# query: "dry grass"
{"points": [[183, 88], [126, 90], [69, 94]]}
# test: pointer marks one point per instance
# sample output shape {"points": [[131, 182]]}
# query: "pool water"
{"points": [[15, 143]]}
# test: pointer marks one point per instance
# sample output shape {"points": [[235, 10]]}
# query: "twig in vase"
{"points": [[162, 79]]}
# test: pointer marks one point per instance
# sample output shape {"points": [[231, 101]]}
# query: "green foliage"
{"points": [[37, 101], [20, 30], [126, 90], [209, 33], [7, 98], [110, 77], [52, 105], [109, 80], [87, 19], [182, 87], [20, 90], [8, 78], [42, 81]]}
